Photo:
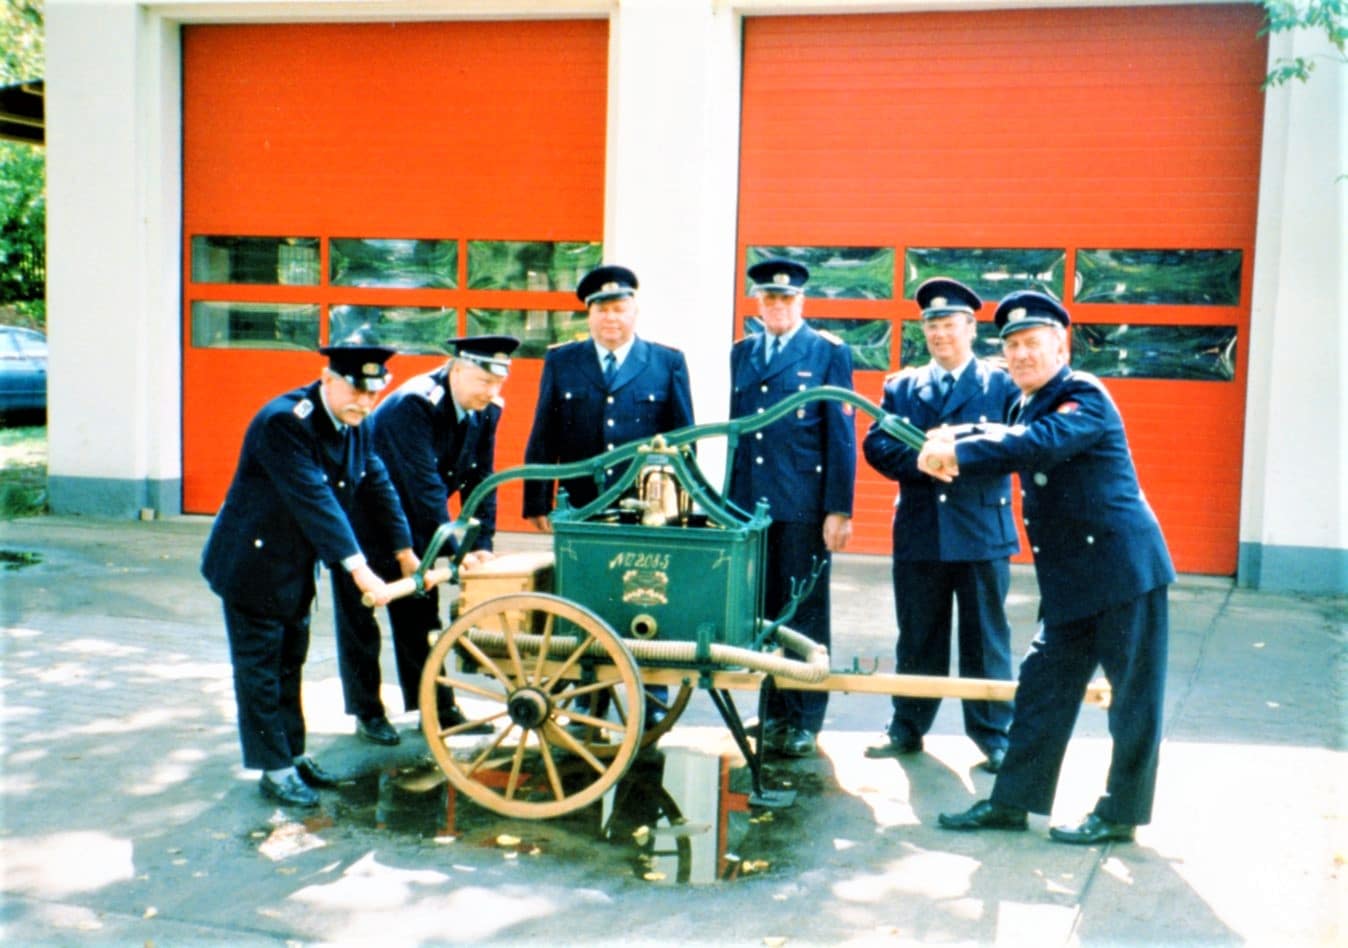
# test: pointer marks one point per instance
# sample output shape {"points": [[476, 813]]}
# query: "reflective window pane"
{"points": [[287, 261], [867, 338], [535, 328], [217, 325], [1180, 277], [416, 329], [395, 264], [843, 273], [990, 272], [1192, 353], [530, 264], [913, 348]]}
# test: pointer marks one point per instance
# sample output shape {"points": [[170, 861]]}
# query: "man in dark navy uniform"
{"points": [[1103, 572], [803, 466], [601, 392], [437, 436], [952, 542], [306, 464]]}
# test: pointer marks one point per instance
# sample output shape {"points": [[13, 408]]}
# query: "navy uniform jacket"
{"points": [[578, 418], [803, 465], [430, 457], [1095, 540], [969, 519], [290, 503]]}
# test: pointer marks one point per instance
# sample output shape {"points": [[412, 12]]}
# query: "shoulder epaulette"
{"points": [[830, 337], [303, 408], [499, 402]]}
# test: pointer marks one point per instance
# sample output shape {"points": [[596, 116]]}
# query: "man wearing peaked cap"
{"points": [[601, 392], [437, 436], [802, 466], [306, 466], [1103, 572], [951, 542]]}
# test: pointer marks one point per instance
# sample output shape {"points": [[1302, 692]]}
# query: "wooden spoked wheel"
{"points": [[538, 664], [661, 714]]}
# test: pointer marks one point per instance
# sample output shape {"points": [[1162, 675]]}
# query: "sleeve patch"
{"points": [[303, 408], [1066, 408], [435, 395]]}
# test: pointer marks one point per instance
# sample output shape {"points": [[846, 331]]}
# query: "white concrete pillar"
{"points": [[113, 260], [672, 179], [1294, 518]]}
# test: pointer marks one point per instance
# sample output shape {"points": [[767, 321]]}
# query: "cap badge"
{"points": [[781, 279], [371, 370], [1016, 314], [937, 301], [610, 287]]}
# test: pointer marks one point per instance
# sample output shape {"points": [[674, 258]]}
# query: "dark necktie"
{"points": [[610, 368], [774, 347]]}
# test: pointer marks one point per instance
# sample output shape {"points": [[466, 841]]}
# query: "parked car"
{"points": [[23, 374]]}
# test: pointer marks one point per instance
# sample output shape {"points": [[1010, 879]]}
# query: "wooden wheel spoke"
{"points": [[515, 764], [549, 623], [471, 687], [482, 758], [576, 655], [560, 735], [483, 659], [550, 765], [512, 647], [460, 728], [578, 690], [580, 717]]}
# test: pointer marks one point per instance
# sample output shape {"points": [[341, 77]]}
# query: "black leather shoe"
{"points": [[994, 762], [1093, 830], [797, 742], [893, 748], [453, 717], [290, 790], [985, 815], [771, 735], [377, 731], [312, 774]]}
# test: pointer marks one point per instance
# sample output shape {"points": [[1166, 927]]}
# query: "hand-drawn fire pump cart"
{"points": [[658, 581]]}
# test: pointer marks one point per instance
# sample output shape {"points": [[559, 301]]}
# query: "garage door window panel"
{"points": [[1178, 353], [542, 265], [409, 329], [991, 272], [1176, 277], [535, 328], [240, 325], [843, 273], [274, 261], [394, 263]]}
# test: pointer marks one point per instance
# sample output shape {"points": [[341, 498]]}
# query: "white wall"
{"points": [[1294, 519]]}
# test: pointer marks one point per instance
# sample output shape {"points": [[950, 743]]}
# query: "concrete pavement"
{"points": [[127, 818]]}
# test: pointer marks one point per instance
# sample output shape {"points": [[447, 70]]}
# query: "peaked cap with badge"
{"points": [[942, 296], [779, 275], [1026, 309], [361, 365], [491, 353], [609, 282]]}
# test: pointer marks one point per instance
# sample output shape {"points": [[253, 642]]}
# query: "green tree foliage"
{"points": [[1283, 15], [23, 177]]}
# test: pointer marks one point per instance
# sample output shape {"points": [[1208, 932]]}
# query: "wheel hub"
{"points": [[529, 708]]}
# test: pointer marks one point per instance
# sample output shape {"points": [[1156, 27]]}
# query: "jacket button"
{"points": [[609, 448], [341, 483], [1002, 501], [1027, 521], [1035, 549], [610, 422], [609, 399], [758, 460], [257, 544], [758, 435], [1090, 539], [761, 410], [941, 498]]}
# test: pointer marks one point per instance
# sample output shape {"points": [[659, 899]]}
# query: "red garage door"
{"points": [[1108, 156], [414, 181]]}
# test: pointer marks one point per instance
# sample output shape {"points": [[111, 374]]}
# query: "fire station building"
{"points": [[233, 183]]}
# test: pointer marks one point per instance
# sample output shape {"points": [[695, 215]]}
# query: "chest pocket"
{"points": [[648, 407]]}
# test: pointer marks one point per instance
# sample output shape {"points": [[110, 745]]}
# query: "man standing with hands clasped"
{"points": [[1103, 572], [951, 541], [803, 466]]}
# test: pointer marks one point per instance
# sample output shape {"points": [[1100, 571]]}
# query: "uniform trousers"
{"points": [[1129, 641], [268, 656], [793, 551], [923, 595]]}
